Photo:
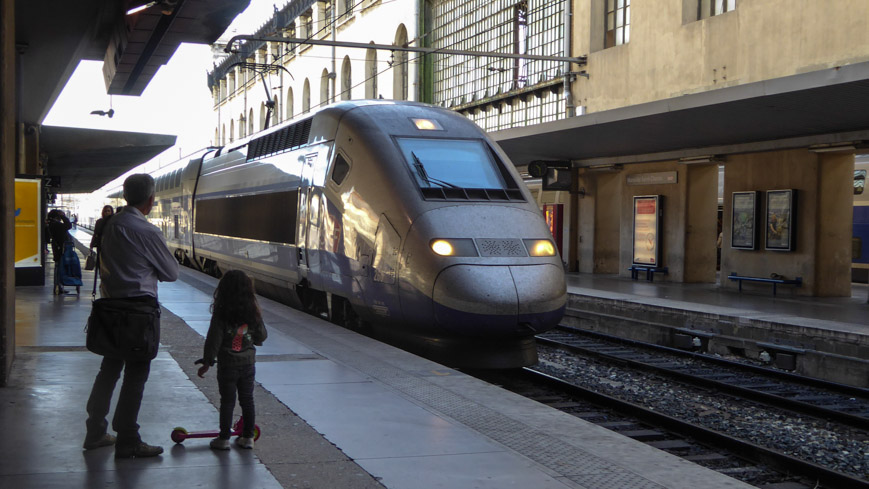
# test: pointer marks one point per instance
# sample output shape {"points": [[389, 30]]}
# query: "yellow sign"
{"points": [[28, 222]]}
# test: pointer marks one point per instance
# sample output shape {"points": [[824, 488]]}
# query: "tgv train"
{"points": [[399, 216]]}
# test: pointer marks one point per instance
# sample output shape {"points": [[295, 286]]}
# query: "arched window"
{"points": [[262, 116], [345, 79], [216, 137], [371, 73], [250, 122], [399, 66], [241, 125], [223, 134], [324, 87], [306, 97], [231, 130], [276, 112], [289, 103]]}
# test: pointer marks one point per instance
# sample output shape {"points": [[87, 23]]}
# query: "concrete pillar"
{"points": [[701, 213], [607, 218], [671, 239], [584, 222], [8, 111], [835, 223]]}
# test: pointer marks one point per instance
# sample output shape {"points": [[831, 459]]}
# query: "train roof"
{"points": [[321, 125]]}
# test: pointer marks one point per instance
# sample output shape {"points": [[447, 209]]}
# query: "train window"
{"points": [[859, 181], [264, 217], [451, 163], [340, 169]]}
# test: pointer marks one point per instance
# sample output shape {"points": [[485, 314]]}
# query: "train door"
{"points": [[311, 215], [383, 285]]}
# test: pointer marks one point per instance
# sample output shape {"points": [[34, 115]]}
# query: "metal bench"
{"points": [[650, 271], [775, 280]]}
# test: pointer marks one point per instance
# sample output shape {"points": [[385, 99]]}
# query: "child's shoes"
{"points": [[244, 442], [219, 444]]}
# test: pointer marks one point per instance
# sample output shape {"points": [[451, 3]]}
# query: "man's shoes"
{"points": [[137, 450], [219, 444], [103, 441], [244, 442]]}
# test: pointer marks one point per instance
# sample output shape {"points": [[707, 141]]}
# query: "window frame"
{"points": [[612, 7]]}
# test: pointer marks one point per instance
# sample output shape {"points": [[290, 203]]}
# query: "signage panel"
{"points": [[28, 222], [646, 231]]}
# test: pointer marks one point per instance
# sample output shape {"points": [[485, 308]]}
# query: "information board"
{"points": [[646, 232], [28, 222]]}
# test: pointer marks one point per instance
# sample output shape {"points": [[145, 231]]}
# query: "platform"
{"points": [[337, 410], [823, 337]]}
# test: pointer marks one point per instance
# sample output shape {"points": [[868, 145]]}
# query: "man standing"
{"points": [[133, 257]]}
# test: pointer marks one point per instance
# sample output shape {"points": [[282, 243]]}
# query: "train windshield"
{"points": [[451, 163]]}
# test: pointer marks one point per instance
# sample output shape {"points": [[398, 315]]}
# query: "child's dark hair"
{"points": [[234, 299]]}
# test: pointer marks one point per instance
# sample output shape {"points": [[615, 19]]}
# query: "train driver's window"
{"points": [[340, 169], [451, 163]]}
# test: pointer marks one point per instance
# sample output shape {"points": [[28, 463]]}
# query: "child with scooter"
{"points": [[236, 329]]}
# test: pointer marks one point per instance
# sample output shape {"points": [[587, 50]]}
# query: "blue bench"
{"points": [[775, 280], [650, 271]]}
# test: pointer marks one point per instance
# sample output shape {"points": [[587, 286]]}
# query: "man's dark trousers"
{"points": [[127, 410]]}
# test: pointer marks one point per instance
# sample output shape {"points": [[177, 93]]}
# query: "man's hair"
{"points": [[138, 188]]}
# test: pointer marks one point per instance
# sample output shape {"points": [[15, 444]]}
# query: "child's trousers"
{"points": [[231, 380]]}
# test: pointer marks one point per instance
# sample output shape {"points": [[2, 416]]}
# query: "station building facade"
{"points": [[769, 96], [698, 103]]}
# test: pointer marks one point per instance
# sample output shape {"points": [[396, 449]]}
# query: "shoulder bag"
{"points": [[126, 328]]}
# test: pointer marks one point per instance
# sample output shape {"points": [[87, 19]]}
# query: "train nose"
{"points": [[499, 300]]}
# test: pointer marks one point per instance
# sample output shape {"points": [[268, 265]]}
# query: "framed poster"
{"points": [[744, 213], [780, 213], [646, 232]]}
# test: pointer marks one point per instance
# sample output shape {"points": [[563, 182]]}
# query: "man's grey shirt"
{"points": [[134, 256]]}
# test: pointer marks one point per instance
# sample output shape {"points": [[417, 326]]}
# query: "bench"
{"points": [[650, 271], [775, 280]]}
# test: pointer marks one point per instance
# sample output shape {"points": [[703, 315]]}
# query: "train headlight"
{"points": [[453, 247], [427, 125], [540, 247]]}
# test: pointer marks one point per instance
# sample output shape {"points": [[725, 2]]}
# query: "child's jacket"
{"points": [[233, 344]]}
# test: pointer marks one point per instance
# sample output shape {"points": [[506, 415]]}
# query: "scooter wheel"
{"points": [[179, 434], [256, 432]]}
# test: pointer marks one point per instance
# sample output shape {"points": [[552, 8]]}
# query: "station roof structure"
{"points": [[52, 38], [825, 107]]}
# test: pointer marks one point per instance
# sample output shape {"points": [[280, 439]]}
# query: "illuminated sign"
{"points": [[28, 222]]}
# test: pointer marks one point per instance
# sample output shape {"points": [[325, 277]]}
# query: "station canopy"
{"points": [[51, 39], [824, 107]]}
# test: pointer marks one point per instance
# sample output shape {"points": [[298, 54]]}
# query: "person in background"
{"points": [[236, 327], [58, 232], [107, 213], [133, 257]]}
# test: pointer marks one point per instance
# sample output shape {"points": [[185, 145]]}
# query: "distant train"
{"points": [[860, 243], [399, 216]]}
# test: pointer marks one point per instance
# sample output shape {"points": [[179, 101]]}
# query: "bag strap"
{"points": [[96, 274]]}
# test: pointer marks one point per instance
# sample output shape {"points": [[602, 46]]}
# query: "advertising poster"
{"points": [[28, 223], [743, 233], [646, 230], [780, 220]]}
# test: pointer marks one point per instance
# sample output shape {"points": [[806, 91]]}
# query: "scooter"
{"points": [[179, 434]]}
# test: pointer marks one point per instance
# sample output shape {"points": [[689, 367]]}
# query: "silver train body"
{"points": [[344, 213]]}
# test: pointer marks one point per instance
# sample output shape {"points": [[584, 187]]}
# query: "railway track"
{"points": [[780, 395], [813, 397]]}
